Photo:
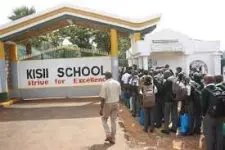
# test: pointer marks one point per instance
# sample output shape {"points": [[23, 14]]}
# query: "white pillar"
{"points": [[140, 62], [145, 62], [187, 61], [129, 62], [217, 64]]}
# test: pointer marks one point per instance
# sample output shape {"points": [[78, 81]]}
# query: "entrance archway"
{"points": [[53, 19]]}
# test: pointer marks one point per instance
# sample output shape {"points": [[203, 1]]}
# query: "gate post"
{"points": [[3, 79], [114, 53], [12, 69]]}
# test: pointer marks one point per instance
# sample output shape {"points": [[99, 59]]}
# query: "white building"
{"points": [[177, 50]]}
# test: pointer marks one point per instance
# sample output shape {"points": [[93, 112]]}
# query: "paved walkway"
{"points": [[55, 126]]}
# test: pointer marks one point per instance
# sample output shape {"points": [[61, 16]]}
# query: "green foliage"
{"points": [[21, 12], [102, 39], [3, 96]]}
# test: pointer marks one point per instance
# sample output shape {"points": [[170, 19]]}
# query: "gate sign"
{"points": [[63, 72]]}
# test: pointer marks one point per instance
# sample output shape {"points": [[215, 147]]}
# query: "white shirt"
{"points": [[188, 87], [110, 91], [134, 79], [125, 78]]}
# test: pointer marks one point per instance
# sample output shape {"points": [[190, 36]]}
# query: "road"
{"points": [[64, 125]]}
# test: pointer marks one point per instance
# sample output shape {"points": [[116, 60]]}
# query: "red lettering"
{"points": [[37, 82]]}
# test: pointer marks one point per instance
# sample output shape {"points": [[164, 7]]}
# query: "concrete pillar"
{"points": [[217, 64], [130, 62], [140, 62], [13, 53], [3, 79], [145, 62], [134, 38], [13, 70], [137, 36], [114, 53]]}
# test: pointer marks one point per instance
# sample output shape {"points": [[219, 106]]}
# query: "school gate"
{"points": [[62, 77]]}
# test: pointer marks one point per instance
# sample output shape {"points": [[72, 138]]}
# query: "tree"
{"points": [[21, 12], [102, 39]]}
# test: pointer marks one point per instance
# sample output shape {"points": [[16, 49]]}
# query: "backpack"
{"points": [[179, 92], [148, 96], [217, 106]]}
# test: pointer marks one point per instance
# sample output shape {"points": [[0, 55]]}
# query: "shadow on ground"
{"points": [[88, 110]]}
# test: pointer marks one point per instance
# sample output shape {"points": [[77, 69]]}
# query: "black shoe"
{"points": [[173, 130], [197, 132], [165, 132], [146, 131], [151, 130], [158, 126]]}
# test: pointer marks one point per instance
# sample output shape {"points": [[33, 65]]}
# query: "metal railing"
{"points": [[64, 52]]}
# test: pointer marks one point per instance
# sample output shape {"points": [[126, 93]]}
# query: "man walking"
{"points": [[110, 92]]}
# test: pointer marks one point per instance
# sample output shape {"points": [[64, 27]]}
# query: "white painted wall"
{"points": [[192, 49], [170, 59]]}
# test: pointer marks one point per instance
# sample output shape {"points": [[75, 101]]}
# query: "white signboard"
{"points": [[63, 72]]}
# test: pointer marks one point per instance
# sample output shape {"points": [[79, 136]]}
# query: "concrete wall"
{"points": [[56, 92], [173, 59], [4, 87], [48, 92]]}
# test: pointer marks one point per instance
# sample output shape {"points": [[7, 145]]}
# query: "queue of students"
{"points": [[164, 97]]}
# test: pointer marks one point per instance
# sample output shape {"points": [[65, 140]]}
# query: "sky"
{"points": [[199, 19]]}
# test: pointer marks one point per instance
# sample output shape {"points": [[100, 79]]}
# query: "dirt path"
{"points": [[156, 140], [76, 125], [56, 126]]}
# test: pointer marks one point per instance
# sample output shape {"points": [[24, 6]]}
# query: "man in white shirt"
{"points": [[110, 92], [125, 85], [125, 77]]}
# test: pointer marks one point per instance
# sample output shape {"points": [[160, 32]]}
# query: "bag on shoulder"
{"points": [[178, 91], [217, 107], [148, 96]]}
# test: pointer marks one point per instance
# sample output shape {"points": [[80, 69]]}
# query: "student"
{"points": [[134, 90], [189, 104], [168, 99], [197, 87], [212, 126], [125, 84], [148, 103], [158, 82]]}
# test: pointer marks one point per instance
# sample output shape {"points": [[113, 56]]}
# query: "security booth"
{"points": [[71, 77]]}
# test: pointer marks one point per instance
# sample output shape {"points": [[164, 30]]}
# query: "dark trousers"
{"points": [[213, 128], [170, 111], [159, 111], [197, 117], [149, 118], [136, 104], [190, 113]]}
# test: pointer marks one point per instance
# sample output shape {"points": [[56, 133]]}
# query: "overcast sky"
{"points": [[200, 19]]}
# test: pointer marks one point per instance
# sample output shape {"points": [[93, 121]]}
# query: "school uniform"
{"points": [[168, 108], [149, 115], [196, 94], [212, 127], [134, 90]]}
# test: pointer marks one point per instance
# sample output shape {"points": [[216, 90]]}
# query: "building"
{"points": [[177, 50]]}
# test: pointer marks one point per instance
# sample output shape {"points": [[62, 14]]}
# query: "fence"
{"points": [[64, 52]]}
